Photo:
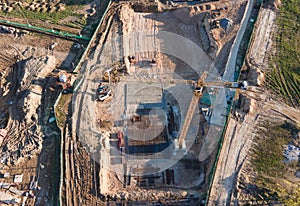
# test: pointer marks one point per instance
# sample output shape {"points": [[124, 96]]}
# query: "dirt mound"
{"points": [[276, 4], [125, 13], [24, 137], [245, 105], [49, 62], [256, 76]]}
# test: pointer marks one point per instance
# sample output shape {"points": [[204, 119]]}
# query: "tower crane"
{"points": [[199, 85]]}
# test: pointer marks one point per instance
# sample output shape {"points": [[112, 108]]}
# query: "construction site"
{"points": [[156, 103]]}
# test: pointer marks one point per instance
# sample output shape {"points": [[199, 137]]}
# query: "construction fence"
{"points": [[43, 30]]}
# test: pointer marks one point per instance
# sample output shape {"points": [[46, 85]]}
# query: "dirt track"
{"points": [[81, 185], [262, 42], [240, 134]]}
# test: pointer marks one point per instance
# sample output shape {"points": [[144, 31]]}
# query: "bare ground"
{"points": [[28, 91], [241, 130]]}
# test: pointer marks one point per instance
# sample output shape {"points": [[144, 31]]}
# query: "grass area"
{"points": [[285, 76], [62, 109], [77, 20], [74, 17], [54, 17], [267, 159], [269, 151]]}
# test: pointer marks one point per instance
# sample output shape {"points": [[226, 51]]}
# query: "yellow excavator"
{"points": [[112, 73]]}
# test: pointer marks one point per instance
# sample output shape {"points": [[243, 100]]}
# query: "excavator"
{"points": [[198, 89], [112, 73]]}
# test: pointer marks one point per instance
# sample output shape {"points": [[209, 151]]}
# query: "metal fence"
{"points": [[44, 30]]}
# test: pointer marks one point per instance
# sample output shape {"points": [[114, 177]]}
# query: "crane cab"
{"points": [[198, 91]]}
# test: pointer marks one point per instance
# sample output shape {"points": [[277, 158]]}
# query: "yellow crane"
{"points": [[198, 94]]}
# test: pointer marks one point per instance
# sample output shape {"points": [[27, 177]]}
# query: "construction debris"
{"points": [[28, 89]]}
